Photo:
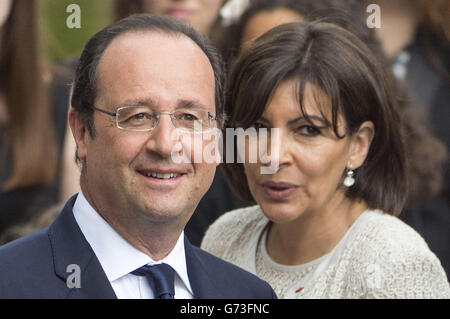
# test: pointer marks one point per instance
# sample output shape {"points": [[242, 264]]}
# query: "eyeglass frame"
{"points": [[158, 116]]}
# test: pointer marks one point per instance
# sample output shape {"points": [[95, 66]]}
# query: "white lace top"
{"points": [[378, 257]]}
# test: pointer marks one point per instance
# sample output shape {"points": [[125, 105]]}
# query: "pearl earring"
{"points": [[349, 180]]}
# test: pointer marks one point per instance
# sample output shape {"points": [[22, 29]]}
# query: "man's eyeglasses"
{"points": [[142, 118]]}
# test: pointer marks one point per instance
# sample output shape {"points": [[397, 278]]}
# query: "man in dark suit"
{"points": [[142, 87]]}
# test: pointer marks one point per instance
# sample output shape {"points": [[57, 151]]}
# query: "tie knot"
{"points": [[161, 278]]}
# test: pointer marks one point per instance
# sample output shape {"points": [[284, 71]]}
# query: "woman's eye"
{"points": [[308, 130]]}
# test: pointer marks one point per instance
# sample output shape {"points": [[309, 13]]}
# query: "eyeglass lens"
{"points": [[143, 118]]}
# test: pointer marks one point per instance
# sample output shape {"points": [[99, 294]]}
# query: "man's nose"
{"points": [[163, 137]]}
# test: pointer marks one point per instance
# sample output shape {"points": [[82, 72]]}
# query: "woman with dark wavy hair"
{"points": [[324, 225], [427, 206]]}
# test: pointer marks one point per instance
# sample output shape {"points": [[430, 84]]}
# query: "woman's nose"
{"points": [[279, 151]]}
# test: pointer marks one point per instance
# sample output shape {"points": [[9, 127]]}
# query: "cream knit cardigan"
{"points": [[379, 257]]}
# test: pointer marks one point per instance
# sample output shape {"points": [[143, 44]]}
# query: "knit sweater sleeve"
{"points": [[416, 277], [398, 264]]}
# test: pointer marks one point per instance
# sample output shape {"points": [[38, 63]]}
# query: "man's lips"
{"points": [[162, 174], [162, 180]]}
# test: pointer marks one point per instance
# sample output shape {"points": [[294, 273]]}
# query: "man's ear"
{"points": [[360, 144], [79, 132]]}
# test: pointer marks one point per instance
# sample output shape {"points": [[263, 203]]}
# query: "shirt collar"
{"points": [[117, 256]]}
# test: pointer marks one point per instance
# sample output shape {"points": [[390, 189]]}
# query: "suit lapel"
{"points": [[70, 249], [202, 283]]}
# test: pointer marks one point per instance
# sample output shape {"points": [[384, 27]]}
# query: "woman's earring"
{"points": [[349, 180]]}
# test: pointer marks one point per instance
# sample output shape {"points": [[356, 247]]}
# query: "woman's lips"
{"points": [[279, 190]]}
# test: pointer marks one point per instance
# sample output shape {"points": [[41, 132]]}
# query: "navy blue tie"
{"points": [[161, 278]]}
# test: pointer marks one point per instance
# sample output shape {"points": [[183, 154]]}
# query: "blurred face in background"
{"points": [[263, 21], [200, 14], [5, 7]]}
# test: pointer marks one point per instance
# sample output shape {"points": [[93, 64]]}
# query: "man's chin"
{"points": [[165, 212]]}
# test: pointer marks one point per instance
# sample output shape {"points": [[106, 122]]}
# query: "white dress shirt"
{"points": [[119, 258]]}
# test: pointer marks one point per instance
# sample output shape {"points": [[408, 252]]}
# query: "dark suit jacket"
{"points": [[35, 266]]}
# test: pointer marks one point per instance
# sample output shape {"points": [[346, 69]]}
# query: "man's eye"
{"points": [[141, 116], [187, 117]]}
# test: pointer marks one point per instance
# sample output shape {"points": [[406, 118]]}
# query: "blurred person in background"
{"points": [[201, 14], [33, 122], [426, 208], [415, 35], [204, 16]]}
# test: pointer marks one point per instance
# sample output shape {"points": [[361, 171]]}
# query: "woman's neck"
{"points": [[314, 234]]}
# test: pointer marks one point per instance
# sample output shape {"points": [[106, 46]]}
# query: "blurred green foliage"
{"points": [[62, 43]]}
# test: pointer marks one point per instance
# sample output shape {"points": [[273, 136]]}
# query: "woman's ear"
{"points": [[360, 144]]}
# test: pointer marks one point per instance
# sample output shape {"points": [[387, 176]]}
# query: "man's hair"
{"points": [[84, 91], [337, 63]]}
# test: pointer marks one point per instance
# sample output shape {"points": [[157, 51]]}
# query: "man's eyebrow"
{"points": [[186, 104], [139, 102]]}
